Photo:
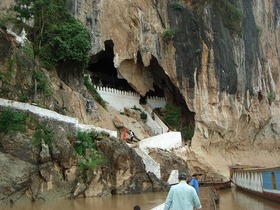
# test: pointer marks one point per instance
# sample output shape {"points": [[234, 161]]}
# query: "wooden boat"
{"points": [[261, 181], [217, 184]]}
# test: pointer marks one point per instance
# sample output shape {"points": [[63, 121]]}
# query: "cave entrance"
{"points": [[172, 94], [103, 71]]}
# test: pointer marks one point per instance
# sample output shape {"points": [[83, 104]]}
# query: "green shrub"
{"points": [[232, 16], [85, 141], [42, 85], [89, 156], [187, 133], [168, 34], [42, 133], [92, 160], [136, 108], [11, 69], [172, 115], [11, 120], [259, 30], [56, 34], [67, 41], [6, 18], [93, 91], [177, 5], [143, 115], [22, 98], [271, 97]]}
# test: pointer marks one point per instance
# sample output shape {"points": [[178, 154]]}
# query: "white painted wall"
{"points": [[173, 178], [150, 164], [156, 124], [156, 102], [120, 99], [166, 141], [45, 113]]}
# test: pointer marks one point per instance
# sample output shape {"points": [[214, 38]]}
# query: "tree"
{"points": [[56, 35]]}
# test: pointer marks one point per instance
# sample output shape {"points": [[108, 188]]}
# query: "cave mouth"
{"points": [[172, 94], [103, 73]]}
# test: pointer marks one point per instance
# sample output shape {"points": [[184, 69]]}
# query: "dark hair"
{"points": [[182, 176], [136, 207]]}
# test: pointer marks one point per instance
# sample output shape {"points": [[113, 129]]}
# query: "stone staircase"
{"points": [[150, 164], [153, 121]]}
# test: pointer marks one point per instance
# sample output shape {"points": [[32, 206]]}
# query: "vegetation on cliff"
{"points": [[231, 14], [172, 116], [57, 36], [89, 156], [11, 120]]}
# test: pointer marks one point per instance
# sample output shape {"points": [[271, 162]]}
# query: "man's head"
{"points": [[182, 176], [196, 175], [136, 207]]}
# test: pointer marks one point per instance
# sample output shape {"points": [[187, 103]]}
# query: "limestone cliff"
{"points": [[221, 65]]}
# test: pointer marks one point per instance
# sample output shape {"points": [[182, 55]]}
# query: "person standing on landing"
{"points": [[182, 196], [194, 182]]}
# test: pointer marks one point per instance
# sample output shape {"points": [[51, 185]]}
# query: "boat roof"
{"points": [[253, 168]]}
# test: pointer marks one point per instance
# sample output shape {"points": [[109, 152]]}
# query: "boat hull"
{"points": [[261, 181], [217, 185], [271, 196]]}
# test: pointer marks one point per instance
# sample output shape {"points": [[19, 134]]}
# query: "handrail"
{"points": [[168, 125]]}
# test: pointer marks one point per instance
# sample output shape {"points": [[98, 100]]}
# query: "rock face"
{"points": [[226, 70], [49, 170], [45, 170], [221, 68]]}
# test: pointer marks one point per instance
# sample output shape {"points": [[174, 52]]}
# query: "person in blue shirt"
{"points": [[194, 182], [182, 196]]}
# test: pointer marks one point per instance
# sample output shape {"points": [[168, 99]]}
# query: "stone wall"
{"points": [[70, 122], [168, 141], [120, 99]]}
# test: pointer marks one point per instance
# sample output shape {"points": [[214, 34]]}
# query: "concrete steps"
{"points": [[150, 164]]}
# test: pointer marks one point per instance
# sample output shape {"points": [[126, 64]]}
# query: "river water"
{"points": [[231, 199]]}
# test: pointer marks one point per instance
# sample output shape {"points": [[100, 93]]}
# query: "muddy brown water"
{"points": [[231, 199]]}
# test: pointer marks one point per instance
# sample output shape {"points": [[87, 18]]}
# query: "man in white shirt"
{"points": [[182, 196]]}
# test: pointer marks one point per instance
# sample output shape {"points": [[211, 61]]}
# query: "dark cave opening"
{"points": [[172, 93], [104, 73]]}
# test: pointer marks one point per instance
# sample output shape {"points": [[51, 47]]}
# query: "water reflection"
{"points": [[231, 199], [118, 202]]}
